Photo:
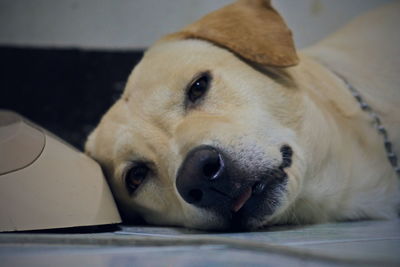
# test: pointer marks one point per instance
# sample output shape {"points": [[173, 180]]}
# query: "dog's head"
{"points": [[204, 135]]}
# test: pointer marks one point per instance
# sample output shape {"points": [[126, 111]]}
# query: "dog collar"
{"points": [[377, 123]]}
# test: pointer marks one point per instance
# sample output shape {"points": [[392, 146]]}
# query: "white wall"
{"points": [[138, 23]]}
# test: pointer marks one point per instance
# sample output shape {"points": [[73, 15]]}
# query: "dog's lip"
{"points": [[255, 189], [241, 199]]}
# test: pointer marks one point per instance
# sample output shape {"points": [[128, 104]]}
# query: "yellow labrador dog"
{"points": [[223, 125]]}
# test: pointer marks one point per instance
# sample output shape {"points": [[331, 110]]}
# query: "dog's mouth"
{"points": [[258, 200], [253, 202], [256, 189], [241, 200], [261, 198]]}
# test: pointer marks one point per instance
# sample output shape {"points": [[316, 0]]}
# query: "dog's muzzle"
{"points": [[209, 179]]}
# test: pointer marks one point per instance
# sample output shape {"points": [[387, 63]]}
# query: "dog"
{"points": [[224, 125]]}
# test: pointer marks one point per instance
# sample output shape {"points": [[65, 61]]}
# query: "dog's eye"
{"points": [[135, 176], [198, 88]]}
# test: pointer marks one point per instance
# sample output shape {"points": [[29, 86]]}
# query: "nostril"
{"points": [[210, 169], [202, 169], [213, 168], [195, 195]]}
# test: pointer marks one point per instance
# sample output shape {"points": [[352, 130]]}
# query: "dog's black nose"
{"points": [[200, 176]]}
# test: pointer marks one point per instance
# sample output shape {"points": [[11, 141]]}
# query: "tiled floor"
{"points": [[364, 243]]}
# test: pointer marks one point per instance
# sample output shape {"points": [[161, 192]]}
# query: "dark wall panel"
{"points": [[64, 90]]}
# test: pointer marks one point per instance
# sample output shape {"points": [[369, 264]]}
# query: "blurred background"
{"points": [[64, 62]]}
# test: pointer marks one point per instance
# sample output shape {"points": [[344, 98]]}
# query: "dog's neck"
{"points": [[344, 153], [347, 164], [366, 52]]}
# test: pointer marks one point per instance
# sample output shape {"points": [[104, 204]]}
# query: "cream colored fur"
{"points": [[339, 171]]}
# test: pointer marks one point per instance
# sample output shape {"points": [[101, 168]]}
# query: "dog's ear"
{"points": [[252, 29]]}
